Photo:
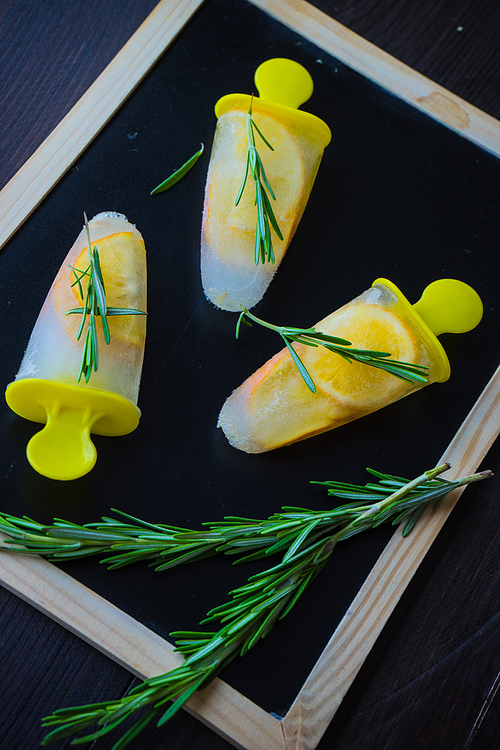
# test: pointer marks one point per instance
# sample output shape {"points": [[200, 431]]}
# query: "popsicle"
{"points": [[274, 407], [236, 267], [53, 386]]}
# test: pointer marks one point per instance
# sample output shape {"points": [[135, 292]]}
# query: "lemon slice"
{"points": [[122, 257], [281, 408], [230, 229], [366, 326]]}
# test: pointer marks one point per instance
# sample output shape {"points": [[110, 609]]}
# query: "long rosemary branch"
{"points": [[164, 546], [306, 539], [311, 337], [303, 535], [178, 174]]}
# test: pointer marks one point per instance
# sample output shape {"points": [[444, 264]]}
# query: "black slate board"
{"points": [[397, 195]]}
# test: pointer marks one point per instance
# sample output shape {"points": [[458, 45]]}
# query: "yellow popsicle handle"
{"points": [[449, 306], [284, 82], [283, 86], [63, 449], [446, 306]]}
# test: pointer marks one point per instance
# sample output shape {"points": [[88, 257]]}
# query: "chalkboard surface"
{"points": [[398, 195]]}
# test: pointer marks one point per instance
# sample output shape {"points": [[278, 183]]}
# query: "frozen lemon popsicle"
{"points": [[81, 374], [246, 232], [275, 407]]}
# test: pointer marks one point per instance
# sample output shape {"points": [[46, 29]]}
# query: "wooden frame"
{"points": [[93, 618]]}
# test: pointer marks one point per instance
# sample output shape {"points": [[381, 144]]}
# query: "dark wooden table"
{"points": [[431, 682]]}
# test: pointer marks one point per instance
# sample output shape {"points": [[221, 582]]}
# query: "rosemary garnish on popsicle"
{"points": [[407, 371], [94, 307], [265, 214], [304, 538]]}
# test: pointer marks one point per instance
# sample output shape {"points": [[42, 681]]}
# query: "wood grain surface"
{"points": [[71, 136], [431, 680]]}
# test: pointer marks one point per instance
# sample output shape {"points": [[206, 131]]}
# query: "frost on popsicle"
{"points": [[265, 157]]}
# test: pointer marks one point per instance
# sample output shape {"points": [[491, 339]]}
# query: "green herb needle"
{"points": [[179, 174], [311, 337], [305, 540]]}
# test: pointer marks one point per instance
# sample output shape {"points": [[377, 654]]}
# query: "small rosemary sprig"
{"points": [[305, 538], [94, 307], [311, 337], [265, 215], [178, 174]]}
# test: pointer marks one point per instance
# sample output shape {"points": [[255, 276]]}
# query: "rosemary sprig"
{"points": [[133, 540], [95, 306], [306, 542], [311, 337], [245, 619], [178, 174], [265, 215]]}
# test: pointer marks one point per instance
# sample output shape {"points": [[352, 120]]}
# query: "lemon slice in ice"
{"points": [[230, 229], [122, 258], [366, 326]]}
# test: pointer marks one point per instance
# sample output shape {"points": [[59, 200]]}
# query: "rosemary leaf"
{"points": [[300, 365], [179, 174], [94, 306]]}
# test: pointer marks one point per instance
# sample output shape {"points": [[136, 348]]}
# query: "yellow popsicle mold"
{"points": [[283, 85], [63, 449], [446, 306]]}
